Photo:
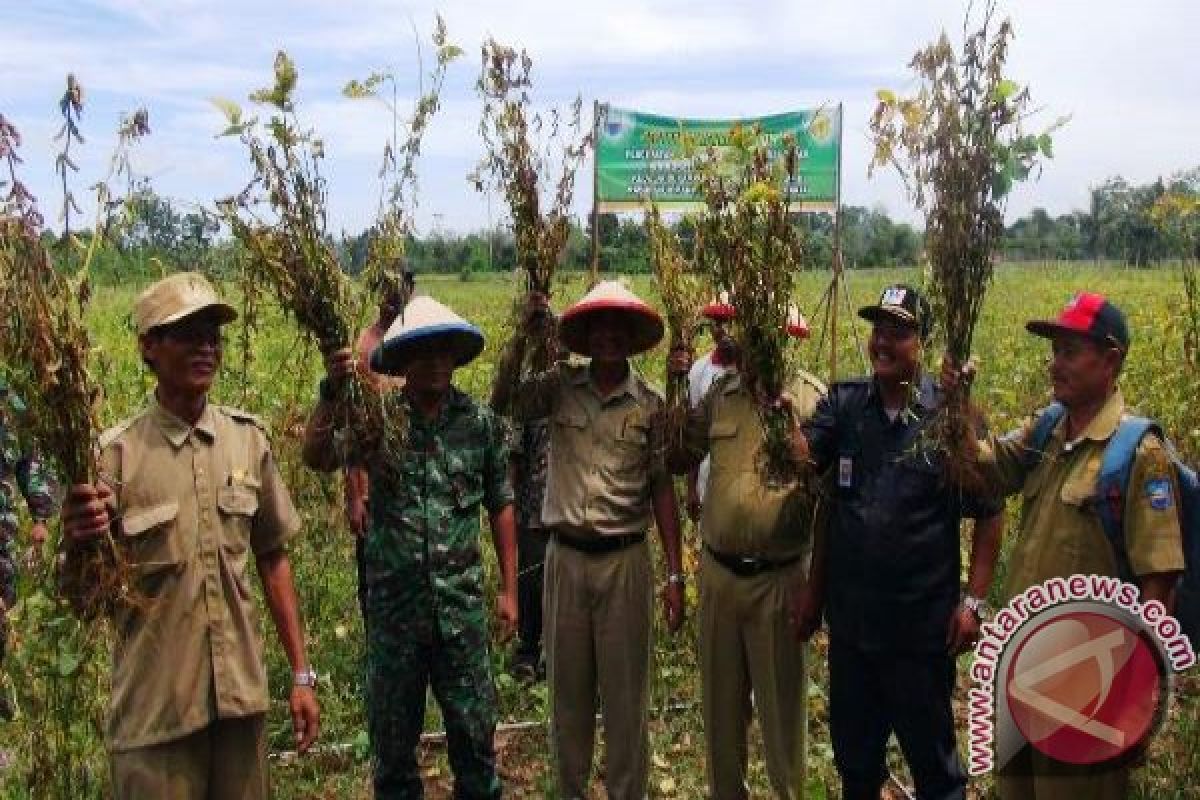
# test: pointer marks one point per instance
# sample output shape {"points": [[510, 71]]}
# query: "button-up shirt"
{"points": [[604, 465], [744, 516], [893, 541], [193, 503], [1061, 533], [427, 484]]}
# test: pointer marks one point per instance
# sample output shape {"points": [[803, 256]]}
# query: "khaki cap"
{"points": [[176, 297]]}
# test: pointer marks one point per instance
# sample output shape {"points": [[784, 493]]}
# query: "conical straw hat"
{"points": [[645, 325], [426, 320]]}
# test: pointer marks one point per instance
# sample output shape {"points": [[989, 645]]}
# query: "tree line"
{"points": [[1117, 227]]}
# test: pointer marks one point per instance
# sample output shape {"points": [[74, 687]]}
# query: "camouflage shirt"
{"points": [[423, 544], [20, 469]]}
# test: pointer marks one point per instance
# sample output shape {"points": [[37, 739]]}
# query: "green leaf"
{"points": [[1001, 183], [1046, 145], [67, 664], [1004, 90], [886, 96], [231, 110]]}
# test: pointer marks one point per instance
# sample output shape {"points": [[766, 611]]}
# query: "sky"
{"points": [[1125, 72]]}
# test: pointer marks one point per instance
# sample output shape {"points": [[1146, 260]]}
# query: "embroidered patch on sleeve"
{"points": [[1158, 492]]}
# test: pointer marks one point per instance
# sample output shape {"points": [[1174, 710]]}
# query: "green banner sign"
{"points": [[640, 158]]}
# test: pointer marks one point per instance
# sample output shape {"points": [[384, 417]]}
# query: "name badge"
{"points": [[845, 471]]}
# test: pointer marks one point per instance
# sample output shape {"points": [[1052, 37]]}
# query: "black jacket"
{"points": [[893, 537]]}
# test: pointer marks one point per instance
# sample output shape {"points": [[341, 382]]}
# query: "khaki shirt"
{"points": [[193, 504], [741, 515], [1060, 533], [603, 466]]}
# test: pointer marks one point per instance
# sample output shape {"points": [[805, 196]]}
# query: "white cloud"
{"points": [[1124, 73]]}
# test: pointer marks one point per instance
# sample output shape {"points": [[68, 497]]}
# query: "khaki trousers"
{"points": [[226, 760], [749, 651], [597, 624], [1033, 776]]}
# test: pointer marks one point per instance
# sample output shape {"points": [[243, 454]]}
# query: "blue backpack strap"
{"points": [[1113, 484], [1046, 422]]}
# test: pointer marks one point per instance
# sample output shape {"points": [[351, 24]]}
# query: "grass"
{"points": [[281, 388]]}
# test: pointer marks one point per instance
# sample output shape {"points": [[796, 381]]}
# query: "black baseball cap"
{"points": [[1088, 314], [900, 303]]}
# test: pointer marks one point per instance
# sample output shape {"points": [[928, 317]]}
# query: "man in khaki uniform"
{"points": [[1060, 533], [757, 541], [604, 483], [190, 491]]}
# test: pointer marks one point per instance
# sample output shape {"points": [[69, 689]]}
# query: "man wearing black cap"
{"points": [[1061, 533], [886, 571]]}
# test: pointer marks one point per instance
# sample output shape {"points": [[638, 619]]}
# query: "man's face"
{"points": [[895, 351], [723, 340], [430, 369], [185, 355], [1081, 369], [608, 336]]}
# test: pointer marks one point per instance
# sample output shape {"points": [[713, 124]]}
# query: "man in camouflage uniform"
{"points": [[20, 470], [425, 581]]}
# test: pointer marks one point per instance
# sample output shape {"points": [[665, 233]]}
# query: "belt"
{"points": [[595, 545], [745, 567]]}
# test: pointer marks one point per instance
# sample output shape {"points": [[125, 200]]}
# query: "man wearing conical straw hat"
{"points": [[190, 491], [425, 580], [606, 481], [756, 539]]}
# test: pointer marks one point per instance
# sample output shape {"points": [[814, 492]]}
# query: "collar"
{"points": [[1104, 424], [928, 396], [176, 430], [717, 360], [627, 386]]}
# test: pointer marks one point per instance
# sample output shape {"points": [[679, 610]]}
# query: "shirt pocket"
{"points": [[570, 432], [465, 472], [723, 450], [237, 505], [633, 443], [151, 539]]}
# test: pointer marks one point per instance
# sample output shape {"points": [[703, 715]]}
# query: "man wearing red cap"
{"points": [[756, 539], [1061, 533], [701, 376], [606, 481]]}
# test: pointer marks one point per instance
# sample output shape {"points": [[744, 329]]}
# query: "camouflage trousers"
{"points": [[405, 655], [8, 581]]}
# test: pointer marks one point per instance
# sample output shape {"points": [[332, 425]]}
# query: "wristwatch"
{"points": [[976, 606], [305, 677]]}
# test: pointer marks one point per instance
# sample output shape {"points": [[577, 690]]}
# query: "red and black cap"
{"points": [[900, 303], [1088, 314]]}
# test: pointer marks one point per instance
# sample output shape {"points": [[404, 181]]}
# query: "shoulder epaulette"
{"points": [[244, 417], [116, 431], [813, 381]]}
